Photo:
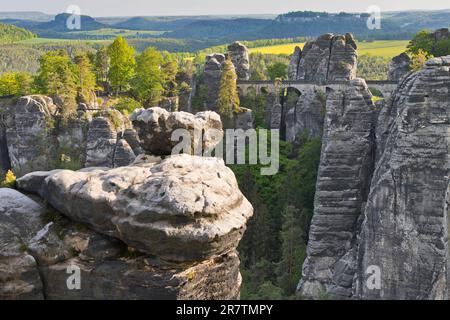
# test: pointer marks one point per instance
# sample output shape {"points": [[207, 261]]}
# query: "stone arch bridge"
{"points": [[385, 87]]}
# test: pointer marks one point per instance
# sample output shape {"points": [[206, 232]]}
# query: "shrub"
{"points": [[9, 180], [127, 105]]}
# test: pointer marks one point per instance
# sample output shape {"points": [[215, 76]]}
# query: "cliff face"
{"points": [[238, 54], [328, 58], [343, 177], [405, 228], [36, 138], [393, 218]]}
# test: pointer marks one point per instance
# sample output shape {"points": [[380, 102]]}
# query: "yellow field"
{"points": [[385, 48]]}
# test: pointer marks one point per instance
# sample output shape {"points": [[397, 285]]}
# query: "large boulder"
{"points": [[40, 250], [183, 208], [155, 127]]}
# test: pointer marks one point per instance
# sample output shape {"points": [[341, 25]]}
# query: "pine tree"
{"points": [[85, 77], [15, 83], [57, 77], [228, 101], [102, 64], [122, 64], [293, 251], [147, 84]]}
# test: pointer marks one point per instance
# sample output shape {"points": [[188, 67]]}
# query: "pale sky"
{"points": [[213, 7]]}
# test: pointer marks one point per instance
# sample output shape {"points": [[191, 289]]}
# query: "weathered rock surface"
{"points": [[397, 223], [243, 119], [28, 136], [37, 138], [19, 218], [38, 247], [106, 144], [306, 116], [405, 228], [399, 67], [183, 208], [155, 127], [238, 54], [346, 166], [328, 58], [294, 63], [211, 79]]}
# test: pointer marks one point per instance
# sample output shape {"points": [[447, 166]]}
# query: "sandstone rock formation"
{"points": [[392, 217], [38, 247], [34, 137], [238, 54], [343, 177], [399, 67], [306, 116], [211, 79], [328, 58], [155, 127], [181, 208], [294, 63], [157, 229], [404, 231], [441, 34], [19, 275]]}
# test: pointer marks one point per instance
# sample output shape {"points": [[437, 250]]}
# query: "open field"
{"points": [[385, 48], [60, 41]]}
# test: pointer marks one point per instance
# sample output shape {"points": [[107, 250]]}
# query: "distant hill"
{"points": [[27, 15], [220, 29], [394, 25], [10, 34], [225, 29], [154, 23], [59, 24], [57, 27]]}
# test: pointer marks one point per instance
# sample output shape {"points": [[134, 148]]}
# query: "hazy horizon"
{"points": [[117, 8]]}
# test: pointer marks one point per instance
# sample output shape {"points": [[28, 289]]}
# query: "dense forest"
{"points": [[10, 33]]}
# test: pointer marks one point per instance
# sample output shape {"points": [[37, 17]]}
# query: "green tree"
{"points": [[147, 84], [422, 40], [293, 251], [277, 70], [122, 64], [228, 101], [442, 48], [57, 77], [86, 78], [418, 60], [101, 64], [169, 72], [15, 83]]}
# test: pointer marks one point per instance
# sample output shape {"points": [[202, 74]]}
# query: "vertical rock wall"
{"points": [[342, 186]]}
